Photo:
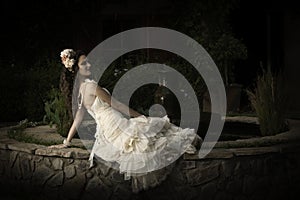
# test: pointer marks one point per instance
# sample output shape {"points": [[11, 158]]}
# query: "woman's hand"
{"points": [[65, 144]]}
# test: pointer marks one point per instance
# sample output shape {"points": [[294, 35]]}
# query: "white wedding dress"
{"points": [[139, 145]]}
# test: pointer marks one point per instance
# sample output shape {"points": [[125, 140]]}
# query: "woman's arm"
{"points": [[116, 104], [77, 120]]}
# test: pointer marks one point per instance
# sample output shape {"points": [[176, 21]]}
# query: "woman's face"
{"points": [[84, 66]]}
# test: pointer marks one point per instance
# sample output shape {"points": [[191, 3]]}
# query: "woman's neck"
{"points": [[82, 78]]}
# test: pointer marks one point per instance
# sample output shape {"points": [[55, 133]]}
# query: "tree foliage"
{"points": [[207, 21]]}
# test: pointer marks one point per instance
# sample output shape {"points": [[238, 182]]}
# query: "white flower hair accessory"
{"points": [[67, 58]]}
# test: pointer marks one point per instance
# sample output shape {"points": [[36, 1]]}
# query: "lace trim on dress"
{"points": [[80, 94]]}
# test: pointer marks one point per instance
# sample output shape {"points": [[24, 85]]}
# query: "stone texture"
{"points": [[93, 183], [249, 185], [41, 175], [47, 162], [26, 168], [254, 151], [177, 177], [4, 156], [81, 165], [16, 170], [69, 161], [244, 119], [213, 154], [72, 188], [210, 179], [57, 164], [103, 169], [56, 180], [227, 168], [66, 152], [219, 153], [80, 154], [96, 189], [121, 193], [3, 146], [209, 190], [5, 141], [70, 171], [89, 175], [234, 186], [240, 173], [116, 176], [202, 175], [13, 157], [24, 147], [107, 181], [37, 159], [5, 170], [188, 164]]}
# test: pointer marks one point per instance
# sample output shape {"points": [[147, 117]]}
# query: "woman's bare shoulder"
{"points": [[92, 86], [89, 84], [88, 87]]}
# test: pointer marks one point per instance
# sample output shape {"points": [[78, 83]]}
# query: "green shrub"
{"points": [[269, 102], [56, 112], [24, 88], [17, 132], [39, 79]]}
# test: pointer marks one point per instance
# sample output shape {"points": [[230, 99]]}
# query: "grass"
{"points": [[18, 133], [20, 136], [269, 101]]}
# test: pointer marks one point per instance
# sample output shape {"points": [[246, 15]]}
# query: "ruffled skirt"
{"points": [[138, 146]]}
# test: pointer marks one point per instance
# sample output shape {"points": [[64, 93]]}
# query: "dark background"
{"points": [[34, 32]]}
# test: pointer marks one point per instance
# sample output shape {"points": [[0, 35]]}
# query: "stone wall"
{"points": [[36, 172]]}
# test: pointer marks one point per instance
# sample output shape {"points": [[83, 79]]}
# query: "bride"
{"points": [[139, 145]]}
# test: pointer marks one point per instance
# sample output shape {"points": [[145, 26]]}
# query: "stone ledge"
{"points": [[80, 154], [24, 147], [202, 174], [284, 142], [14, 145], [243, 119], [249, 151], [5, 141], [215, 153], [254, 151], [65, 153], [3, 146]]}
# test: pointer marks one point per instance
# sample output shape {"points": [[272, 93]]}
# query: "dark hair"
{"points": [[68, 86]]}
